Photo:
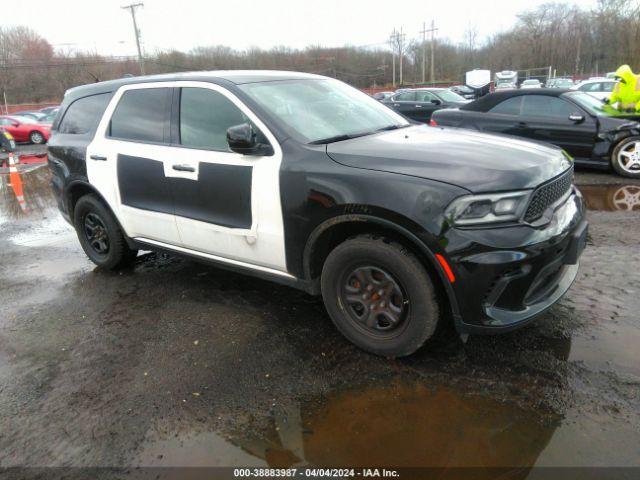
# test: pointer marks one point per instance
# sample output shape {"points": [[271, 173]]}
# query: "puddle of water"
{"points": [[408, 425], [612, 198]]}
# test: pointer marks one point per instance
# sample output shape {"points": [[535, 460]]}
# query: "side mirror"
{"points": [[436, 102], [243, 139], [15, 124], [576, 117]]}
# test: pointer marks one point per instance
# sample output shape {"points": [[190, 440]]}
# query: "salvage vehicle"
{"points": [[531, 83], [593, 133], [25, 129], [598, 87], [306, 181], [419, 103]]}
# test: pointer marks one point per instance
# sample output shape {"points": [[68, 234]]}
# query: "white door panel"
{"points": [[103, 175]]}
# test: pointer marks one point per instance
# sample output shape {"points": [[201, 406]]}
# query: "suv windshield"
{"points": [[321, 111]]}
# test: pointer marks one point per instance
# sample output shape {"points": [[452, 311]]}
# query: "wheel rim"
{"points": [[629, 157], [96, 233], [36, 137], [627, 198], [374, 300]]}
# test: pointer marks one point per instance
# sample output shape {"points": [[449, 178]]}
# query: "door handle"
{"points": [[418, 106], [396, 104], [184, 168], [521, 124], [98, 158]]}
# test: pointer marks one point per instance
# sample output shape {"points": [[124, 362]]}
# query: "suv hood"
{"points": [[476, 161]]}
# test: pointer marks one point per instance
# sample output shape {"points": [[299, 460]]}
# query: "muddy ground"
{"points": [[173, 363]]}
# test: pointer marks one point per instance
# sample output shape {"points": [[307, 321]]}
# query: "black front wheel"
{"points": [[100, 235], [379, 296]]}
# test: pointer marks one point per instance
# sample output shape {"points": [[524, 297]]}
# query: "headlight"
{"points": [[489, 208]]}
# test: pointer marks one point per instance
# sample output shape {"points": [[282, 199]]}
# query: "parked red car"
{"points": [[26, 129]]}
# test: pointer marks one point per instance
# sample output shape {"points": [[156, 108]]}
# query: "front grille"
{"points": [[548, 194]]}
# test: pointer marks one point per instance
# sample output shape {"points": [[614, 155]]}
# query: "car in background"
{"points": [[559, 83], [49, 118], [504, 85], [600, 88], [25, 129], [531, 83], [382, 95], [464, 91], [593, 133], [418, 104], [36, 115], [49, 110]]}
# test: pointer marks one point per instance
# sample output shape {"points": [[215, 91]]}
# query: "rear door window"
{"points": [[405, 97], [141, 115], [84, 114], [425, 97], [510, 106]]}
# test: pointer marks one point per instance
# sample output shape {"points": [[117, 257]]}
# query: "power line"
{"points": [[132, 8]]}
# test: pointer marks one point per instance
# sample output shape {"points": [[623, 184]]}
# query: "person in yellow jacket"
{"points": [[626, 93]]}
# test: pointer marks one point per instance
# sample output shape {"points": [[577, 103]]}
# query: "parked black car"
{"points": [[309, 182], [419, 103], [464, 91], [592, 132]]}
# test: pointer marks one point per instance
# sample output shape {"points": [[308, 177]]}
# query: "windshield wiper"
{"points": [[392, 127], [349, 136], [340, 138]]}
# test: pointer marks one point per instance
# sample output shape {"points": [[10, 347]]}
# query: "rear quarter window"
{"points": [[510, 106], [84, 114]]}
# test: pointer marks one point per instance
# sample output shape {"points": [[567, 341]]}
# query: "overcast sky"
{"points": [[183, 24]]}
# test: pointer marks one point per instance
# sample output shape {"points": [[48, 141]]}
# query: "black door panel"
{"points": [[221, 195], [143, 184]]}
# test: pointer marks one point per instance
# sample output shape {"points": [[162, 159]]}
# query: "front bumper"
{"points": [[506, 277]]}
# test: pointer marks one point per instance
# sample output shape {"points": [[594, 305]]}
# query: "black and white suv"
{"points": [[309, 182]]}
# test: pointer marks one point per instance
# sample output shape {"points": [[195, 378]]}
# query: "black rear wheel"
{"points": [[379, 296], [100, 235]]}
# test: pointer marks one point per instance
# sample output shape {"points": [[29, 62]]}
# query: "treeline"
{"points": [[573, 40]]}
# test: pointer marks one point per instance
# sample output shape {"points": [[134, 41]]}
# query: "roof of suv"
{"points": [[232, 76]]}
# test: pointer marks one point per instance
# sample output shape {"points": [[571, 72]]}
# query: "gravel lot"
{"points": [[172, 363]]}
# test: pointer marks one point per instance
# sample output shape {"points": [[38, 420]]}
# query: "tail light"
{"points": [[433, 123]]}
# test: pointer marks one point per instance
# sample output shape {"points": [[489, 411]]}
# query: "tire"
{"points": [[625, 158], [97, 228], [36, 138], [400, 279]]}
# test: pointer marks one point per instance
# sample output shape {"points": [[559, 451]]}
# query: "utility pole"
{"points": [[132, 8], [392, 41], [424, 32], [433, 32], [401, 51]]}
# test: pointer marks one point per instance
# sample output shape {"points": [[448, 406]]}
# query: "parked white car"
{"points": [[531, 83], [600, 88]]}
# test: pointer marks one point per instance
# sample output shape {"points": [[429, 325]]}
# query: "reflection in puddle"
{"points": [[611, 197], [26, 193], [402, 424]]}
